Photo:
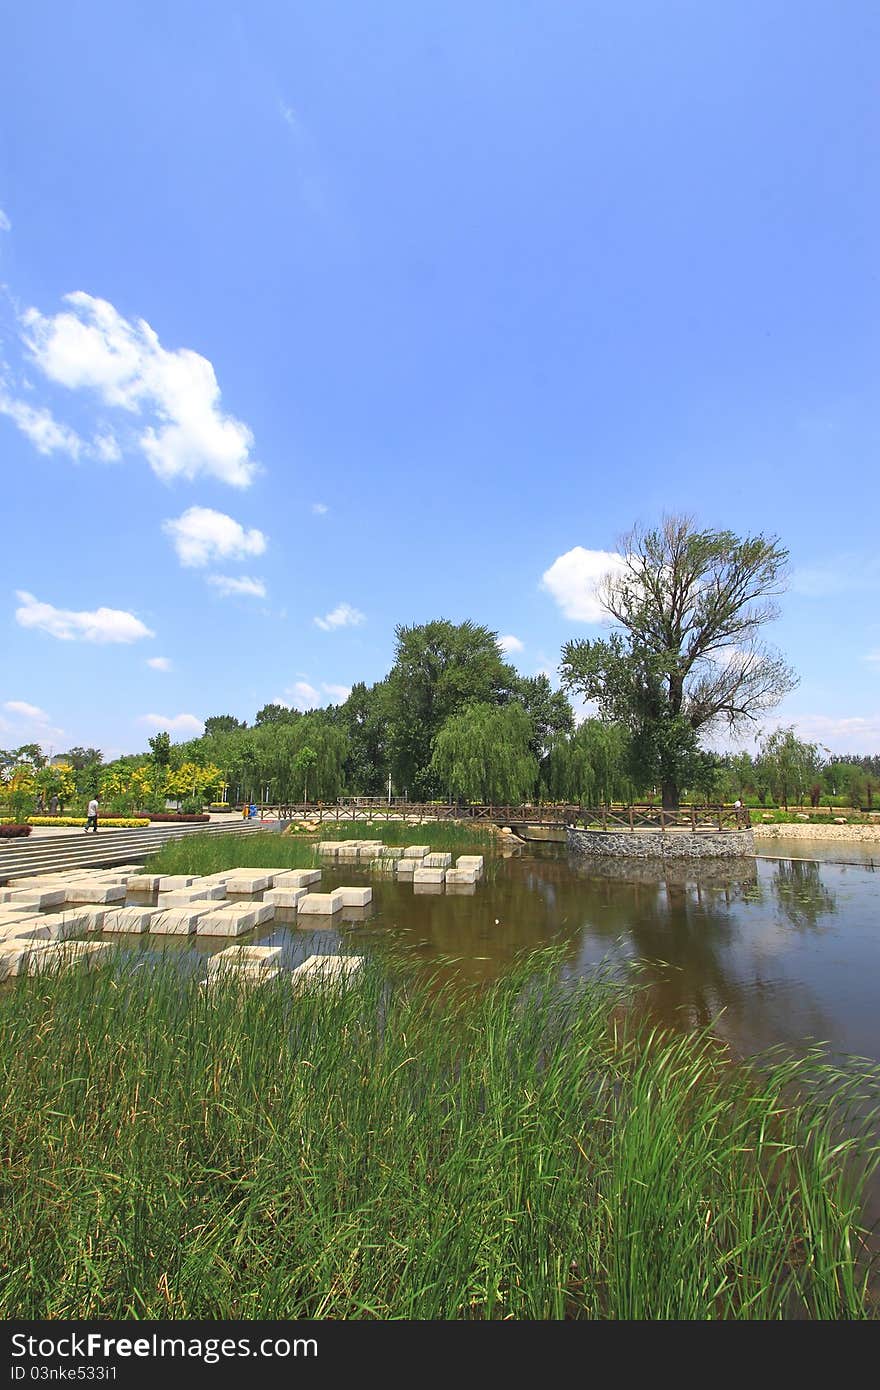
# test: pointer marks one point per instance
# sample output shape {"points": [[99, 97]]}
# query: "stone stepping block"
{"points": [[235, 921], [199, 892], [388, 867], [320, 904], [355, 897], [179, 921], [244, 957], [56, 926], [320, 971], [285, 897], [331, 847], [128, 870], [128, 919], [470, 861], [437, 861], [36, 898], [169, 883], [370, 851], [38, 881], [245, 977], [144, 883], [416, 851], [248, 883], [461, 876], [429, 876], [15, 956], [91, 890], [391, 852], [297, 878], [406, 867], [61, 956], [94, 916], [9, 912]]}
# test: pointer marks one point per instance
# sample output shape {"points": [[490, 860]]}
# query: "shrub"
{"points": [[14, 832], [172, 816], [119, 822]]}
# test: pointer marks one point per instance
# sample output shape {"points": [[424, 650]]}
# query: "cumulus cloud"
{"points": [[343, 615], [304, 696], [102, 625], [510, 644], [184, 432], [26, 711], [5, 224], [174, 723], [850, 734], [320, 508], [41, 428], [159, 663], [340, 693], [201, 535], [574, 578], [244, 587]]}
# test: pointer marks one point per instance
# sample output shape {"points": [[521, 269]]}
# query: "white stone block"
{"points": [[470, 861], [416, 851], [330, 847], [168, 883], [407, 867], [242, 884], [62, 955], [355, 897], [93, 891], [238, 957], [285, 897], [177, 921], [144, 883], [15, 956], [320, 904], [128, 919], [94, 916], [320, 971], [429, 876], [245, 977], [391, 852], [36, 898], [58, 926], [461, 876], [235, 921], [199, 892], [297, 878], [437, 861]]}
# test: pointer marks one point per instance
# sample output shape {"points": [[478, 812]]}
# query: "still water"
{"points": [[765, 951]]}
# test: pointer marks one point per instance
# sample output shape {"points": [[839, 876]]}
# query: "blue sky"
{"points": [[320, 318]]}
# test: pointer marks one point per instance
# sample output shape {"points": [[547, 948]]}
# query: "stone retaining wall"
{"points": [[635, 844], [802, 830]]}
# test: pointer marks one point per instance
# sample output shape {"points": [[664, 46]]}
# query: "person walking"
{"points": [[92, 820]]}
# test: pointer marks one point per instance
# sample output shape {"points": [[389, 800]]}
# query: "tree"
{"points": [[363, 716], [789, 765], [686, 656], [549, 711], [222, 724], [276, 714], [81, 758], [439, 668], [303, 763], [482, 754], [160, 748]]}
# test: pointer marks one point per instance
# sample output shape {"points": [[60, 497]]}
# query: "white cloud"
{"points": [[105, 447], [343, 615], [873, 657], [26, 711], [174, 724], [574, 578], [201, 535], [340, 693], [510, 644], [244, 587], [102, 625], [305, 696], [91, 346], [851, 734], [5, 224], [41, 428], [320, 508], [159, 663]]}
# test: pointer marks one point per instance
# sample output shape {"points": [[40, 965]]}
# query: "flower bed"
{"points": [[118, 822], [13, 832], [173, 816]]}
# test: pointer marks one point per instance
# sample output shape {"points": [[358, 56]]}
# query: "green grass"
{"points": [[207, 854], [390, 1151]]}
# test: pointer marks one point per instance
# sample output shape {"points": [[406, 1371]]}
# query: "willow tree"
{"points": [[685, 656], [482, 754]]}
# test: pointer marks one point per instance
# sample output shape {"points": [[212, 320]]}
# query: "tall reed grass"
{"points": [[532, 1151]]}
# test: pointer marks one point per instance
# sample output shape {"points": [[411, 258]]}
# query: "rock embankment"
{"points": [[802, 830]]}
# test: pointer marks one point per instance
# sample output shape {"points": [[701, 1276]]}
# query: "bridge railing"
{"points": [[639, 816]]}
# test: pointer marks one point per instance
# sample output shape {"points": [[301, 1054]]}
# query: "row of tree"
{"points": [[682, 662]]}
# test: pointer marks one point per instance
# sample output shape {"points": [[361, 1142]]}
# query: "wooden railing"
{"points": [[635, 817]]}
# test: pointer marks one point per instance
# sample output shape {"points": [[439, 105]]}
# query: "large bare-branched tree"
{"points": [[686, 655]]}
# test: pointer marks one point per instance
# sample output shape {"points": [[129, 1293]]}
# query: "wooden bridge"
{"points": [[554, 815]]}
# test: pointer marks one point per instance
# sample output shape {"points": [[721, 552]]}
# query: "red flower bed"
{"points": [[14, 832], [170, 815]]}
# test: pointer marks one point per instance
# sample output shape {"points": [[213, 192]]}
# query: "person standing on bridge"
{"points": [[92, 816]]}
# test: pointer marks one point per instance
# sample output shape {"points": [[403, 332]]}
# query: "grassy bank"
{"points": [[533, 1151], [208, 854]]}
